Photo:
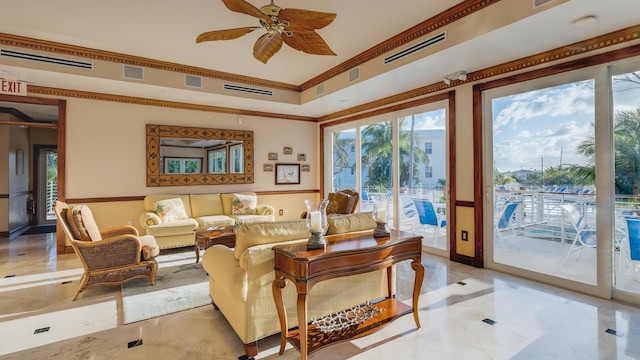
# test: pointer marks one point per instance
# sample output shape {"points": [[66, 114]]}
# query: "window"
{"points": [[235, 160], [428, 171], [173, 165], [428, 148], [218, 161]]}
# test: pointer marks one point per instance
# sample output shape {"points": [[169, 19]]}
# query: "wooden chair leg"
{"points": [[251, 349]]}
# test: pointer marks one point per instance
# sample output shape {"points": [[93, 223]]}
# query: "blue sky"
{"points": [[538, 127]]}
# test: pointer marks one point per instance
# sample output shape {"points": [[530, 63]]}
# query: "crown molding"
{"points": [[57, 92]]}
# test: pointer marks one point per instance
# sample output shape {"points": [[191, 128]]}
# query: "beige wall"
{"points": [[106, 156]]}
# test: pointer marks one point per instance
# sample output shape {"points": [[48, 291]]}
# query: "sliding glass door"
{"points": [[562, 179], [410, 149]]}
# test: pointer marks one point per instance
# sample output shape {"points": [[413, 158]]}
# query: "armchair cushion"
{"points": [[340, 203], [340, 224], [170, 209], [244, 204], [82, 224], [150, 248]]}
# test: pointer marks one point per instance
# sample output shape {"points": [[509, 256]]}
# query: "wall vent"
{"points": [[354, 74], [417, 47], [320, 89], [46, 59], [133, 72], [193, 81], [538, 3], [246, 89]]}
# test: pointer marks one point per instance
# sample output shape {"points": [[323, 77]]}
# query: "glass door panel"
{"points": [[423, 172], [626, 138], [344, 160], [544, 201], [376, 164]]}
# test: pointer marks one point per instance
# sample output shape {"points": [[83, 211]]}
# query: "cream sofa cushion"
{"points": [[227, 201], [150, 200], [214, 221], [205, 205], [259, 233], [340, 224]]}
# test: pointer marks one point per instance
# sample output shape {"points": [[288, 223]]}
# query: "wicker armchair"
{"points": [[109, 257]]}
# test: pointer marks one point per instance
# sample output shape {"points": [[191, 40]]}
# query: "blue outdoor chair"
{"points": [[429, 218], [633, 250], [585, 237], [504, 220]]}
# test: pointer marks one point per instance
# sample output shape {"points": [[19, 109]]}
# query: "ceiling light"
{"points": [[585, 21]]}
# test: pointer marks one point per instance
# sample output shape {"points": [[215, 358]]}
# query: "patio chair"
{"points": [[408, 213], [504, 220], [111, 256], [631, 248], [585, 237], [429, 218]]}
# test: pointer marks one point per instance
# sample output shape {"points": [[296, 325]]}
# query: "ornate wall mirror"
{"points": [[178, 155]]}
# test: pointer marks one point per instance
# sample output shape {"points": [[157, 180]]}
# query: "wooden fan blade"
{"points": [[301, 20], [225, 34], [309, 42], [267, 46], [244, 7]]}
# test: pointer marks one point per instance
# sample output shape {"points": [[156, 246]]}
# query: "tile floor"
{"points": [[465, 312]]}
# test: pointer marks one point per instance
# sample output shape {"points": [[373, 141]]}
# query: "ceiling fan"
{"points": [[294, 27]]}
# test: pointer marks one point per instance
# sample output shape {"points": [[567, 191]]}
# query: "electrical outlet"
{"points": [[280, 212], [465, 235], [286, 211], [130, 223]]}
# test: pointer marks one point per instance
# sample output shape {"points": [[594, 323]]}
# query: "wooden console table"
{"points": [[344, 255]]}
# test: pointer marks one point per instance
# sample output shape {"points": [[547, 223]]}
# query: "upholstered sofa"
{"points": [[240, 279], [172, 219]]}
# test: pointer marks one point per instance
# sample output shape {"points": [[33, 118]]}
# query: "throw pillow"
{"points": [[170, 209], [82, 225], [244, 204]]}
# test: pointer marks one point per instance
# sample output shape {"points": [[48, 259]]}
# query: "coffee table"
{"points": [[207, 238]]}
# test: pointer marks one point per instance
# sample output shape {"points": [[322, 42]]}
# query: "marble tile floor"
{"points": [[465, 312]]}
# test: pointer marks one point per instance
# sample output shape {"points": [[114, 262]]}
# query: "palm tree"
{"points": [[626, 134], [377, 155]]}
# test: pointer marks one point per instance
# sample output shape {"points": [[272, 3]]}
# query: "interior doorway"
{"points": [[45, 184]]}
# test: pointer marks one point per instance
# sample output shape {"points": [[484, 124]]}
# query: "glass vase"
{"points": [[317, 223], [380, 215]]}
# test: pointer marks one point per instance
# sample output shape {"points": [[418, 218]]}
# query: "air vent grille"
{"points": [[133, 72], [193, 81], [46, 59], [354, 74], [320, 89], [246, 89], [538, 3], [417, 47]]}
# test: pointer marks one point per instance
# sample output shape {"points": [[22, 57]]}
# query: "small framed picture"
{"points": [[267, 167], [302, 157], [273, 156], [306, 167], [287, 150], [287, 174]]}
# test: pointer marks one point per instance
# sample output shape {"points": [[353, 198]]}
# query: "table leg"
{"points": [[391, 294], [302, 325], [417, 266], [195, 247], [276, 288]]}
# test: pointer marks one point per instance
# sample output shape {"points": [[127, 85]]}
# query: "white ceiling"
{"points": [[166, 30]]}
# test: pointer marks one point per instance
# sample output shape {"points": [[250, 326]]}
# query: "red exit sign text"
{"points": [[13, 87]]}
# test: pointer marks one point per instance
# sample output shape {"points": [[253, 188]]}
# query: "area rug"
{"points": [[176, 288]]}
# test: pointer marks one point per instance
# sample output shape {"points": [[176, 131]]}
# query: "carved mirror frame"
{"points": [[155, 178]]}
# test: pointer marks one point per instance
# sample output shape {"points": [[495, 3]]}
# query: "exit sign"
{"points": [[13, 87]]}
